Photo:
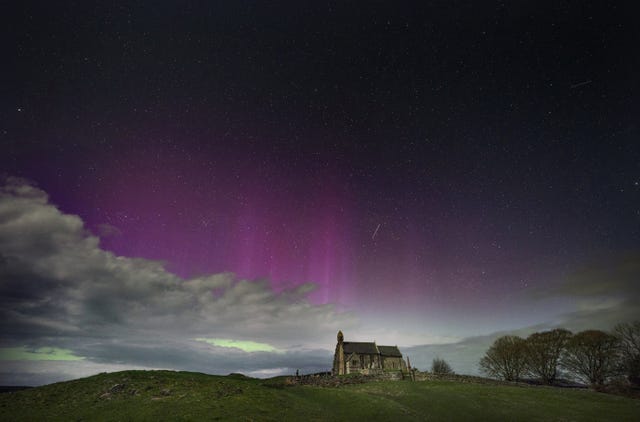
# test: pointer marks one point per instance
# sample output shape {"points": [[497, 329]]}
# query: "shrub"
{"points": [[441, 367]]}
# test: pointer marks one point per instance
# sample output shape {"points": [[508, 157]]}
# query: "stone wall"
{"points": [[428, 376], [323, 380]]}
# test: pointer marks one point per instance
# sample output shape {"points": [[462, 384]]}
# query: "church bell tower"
{"points": [[338, 357]]}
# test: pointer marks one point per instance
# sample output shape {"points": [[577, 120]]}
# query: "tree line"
{"points": [[592, 356]]}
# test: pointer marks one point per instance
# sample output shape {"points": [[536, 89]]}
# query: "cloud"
{"points": [[601, 294], [60, 290], [108, 230], [614, 274]]}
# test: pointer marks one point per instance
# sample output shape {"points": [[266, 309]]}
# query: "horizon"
{"points": [[222, 187]]}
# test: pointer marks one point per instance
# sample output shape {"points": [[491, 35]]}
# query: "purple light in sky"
{"points": [[203, 216]]}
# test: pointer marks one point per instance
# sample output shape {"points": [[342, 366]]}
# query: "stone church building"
{"points": [[366, 358]]}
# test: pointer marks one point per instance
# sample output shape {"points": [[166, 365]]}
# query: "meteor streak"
{"points": [[373, 236], [580, 84]]}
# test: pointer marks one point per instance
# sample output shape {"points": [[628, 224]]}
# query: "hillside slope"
{"points": [[167, 395]]}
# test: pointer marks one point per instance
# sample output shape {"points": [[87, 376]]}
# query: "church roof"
{"points": [[366, 348], [360, 347], [390, 351]]}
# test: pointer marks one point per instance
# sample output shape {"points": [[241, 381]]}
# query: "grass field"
{"points": [[166, 395]]}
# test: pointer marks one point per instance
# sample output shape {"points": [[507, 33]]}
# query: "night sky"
{"points": [[415, 173]]}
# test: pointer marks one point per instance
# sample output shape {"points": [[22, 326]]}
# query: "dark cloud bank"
{"points": [[59, 289]]}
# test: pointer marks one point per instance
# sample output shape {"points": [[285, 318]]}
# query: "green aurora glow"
{"points": [[244, 345], [42, 353]]}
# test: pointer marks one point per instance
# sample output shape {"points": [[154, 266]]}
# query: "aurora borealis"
{"points": [[419, 174]]}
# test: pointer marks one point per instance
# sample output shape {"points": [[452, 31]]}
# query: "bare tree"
{"points": [[629, 337], [592, 356], [441, 367], [505, 358], [543, 352]]}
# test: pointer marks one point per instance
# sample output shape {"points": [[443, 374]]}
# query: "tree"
{"points": [[441, 367], [505, 358], [543, 352], [592, 356], [629, 339]]}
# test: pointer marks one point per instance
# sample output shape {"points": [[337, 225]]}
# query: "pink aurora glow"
{"points": [[202, 217]]}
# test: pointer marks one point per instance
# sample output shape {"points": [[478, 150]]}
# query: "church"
{"points": [[365, 358]]}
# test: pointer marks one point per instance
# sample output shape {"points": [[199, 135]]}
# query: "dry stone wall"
{"points": [[338, 380]]}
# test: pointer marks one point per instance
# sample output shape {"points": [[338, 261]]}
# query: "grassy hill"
{"points": [[167, 395]]}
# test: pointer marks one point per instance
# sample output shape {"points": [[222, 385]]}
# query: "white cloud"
{"points": [[59, 289]]}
